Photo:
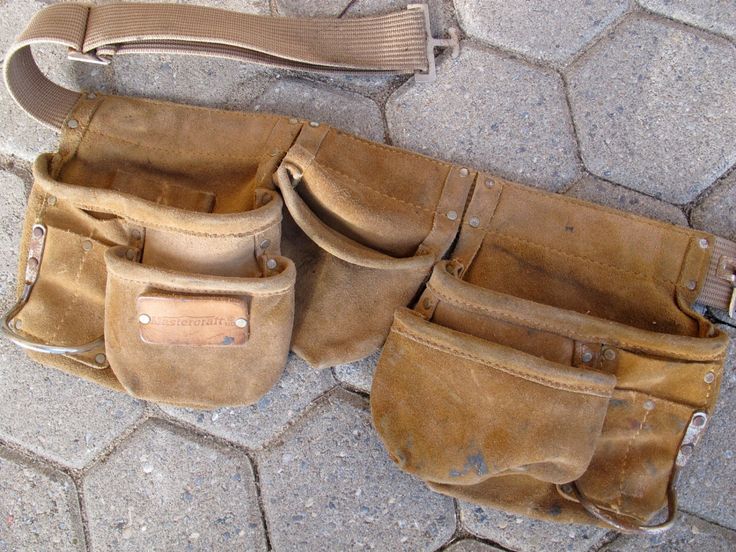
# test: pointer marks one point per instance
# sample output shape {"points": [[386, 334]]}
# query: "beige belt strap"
{"points": [[397, 43]]}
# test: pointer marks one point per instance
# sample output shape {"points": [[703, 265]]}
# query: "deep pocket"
{"points": [[196, 340], [456, 409], [346, 292]]}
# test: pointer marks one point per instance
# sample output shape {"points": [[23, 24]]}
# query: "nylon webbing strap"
{"points": [[396, 43]]}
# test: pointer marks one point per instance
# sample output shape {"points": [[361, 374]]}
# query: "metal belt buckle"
{"points": [[432, 43]]}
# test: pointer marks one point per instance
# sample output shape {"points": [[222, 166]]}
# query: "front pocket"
{"points": [[197, 340], [455, 409]]}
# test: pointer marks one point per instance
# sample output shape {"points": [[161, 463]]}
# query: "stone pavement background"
{"points": [[624, 103]]}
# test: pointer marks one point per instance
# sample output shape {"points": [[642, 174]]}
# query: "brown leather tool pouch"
{"points": [[551, 367]]}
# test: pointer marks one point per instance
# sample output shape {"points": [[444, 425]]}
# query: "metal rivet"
{"points": [[144, 319], [691, 285], [474, 222], [464, 172], [449, 268], [130, 254], [72, 123], [51, 200], [91, 96], [709, 377], [136, 234], [275, 153], [649, 405], [703, 243], [489, 183], [609, 354], [18, 323], [37, 232], [314, 124], [293, 121], [100, 358], [33, 263], [427, 303], [687, 450], [265, 244], [699, 420], [587, 356], [452, 215], [241, 322], [87, 245], [566, 488], [271, 264]]}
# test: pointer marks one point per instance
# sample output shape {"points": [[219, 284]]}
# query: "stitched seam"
{"points": [[243, 114], [75, 296], [501, 368], [213, 156], [639, 275], [173, 228], [391, 150], [364, 186], [630, 216], [556, 330], [625, 464], [173, 288]]}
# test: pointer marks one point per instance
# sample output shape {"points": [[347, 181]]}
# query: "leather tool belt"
{"points": [[542, 355]]}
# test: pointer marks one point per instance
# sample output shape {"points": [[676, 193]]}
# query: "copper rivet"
{"points": [[489, 183], [566, 488], [609, 354], [33, 263], [687, 449], [51, 200], [37, 232], [649, 405], [691, 285], [72, 123], [452, 215], [91, 96], [587, 356], [265, 244], [241, 322], [710, 377], [100, 358], [87, 245], [314, 124], [293, 121], [427, 303], [474, 222], [144, 319], [698, 420], [703, 243], [271, 264], [130, 254], [464, 172]]}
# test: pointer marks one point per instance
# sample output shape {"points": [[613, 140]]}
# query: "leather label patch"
{"points": [[196, 321]]}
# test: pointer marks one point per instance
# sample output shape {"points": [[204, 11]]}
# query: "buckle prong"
{"points": [[452, 42]]}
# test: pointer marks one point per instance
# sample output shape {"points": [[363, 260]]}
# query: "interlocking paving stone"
{"points": [[599, 191], [358, 374], [717, 212], [528, 535], [707, 485], [655, 108], [690, 534], [469, 545], [718, 16], [53, 414], [345, 110], [166, 489], [254, 425], [39, 507], [330, 481], [543, 30], [491, 112]]}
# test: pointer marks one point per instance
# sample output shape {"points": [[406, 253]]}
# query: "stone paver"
{"points": [[164, 489], [469, 545], [527, 535], [338, 108], [330, 481], [689, 535], [12, 208], [599, 191], [491, 112], [708, 483], [543, 30], [655, 108], [717, 212], [39, 508], [358, 375], [254, 425], [718, 16]]}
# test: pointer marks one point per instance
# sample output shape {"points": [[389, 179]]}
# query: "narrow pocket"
{"points": [[197, 340], [456, 409], [347, 292]]}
